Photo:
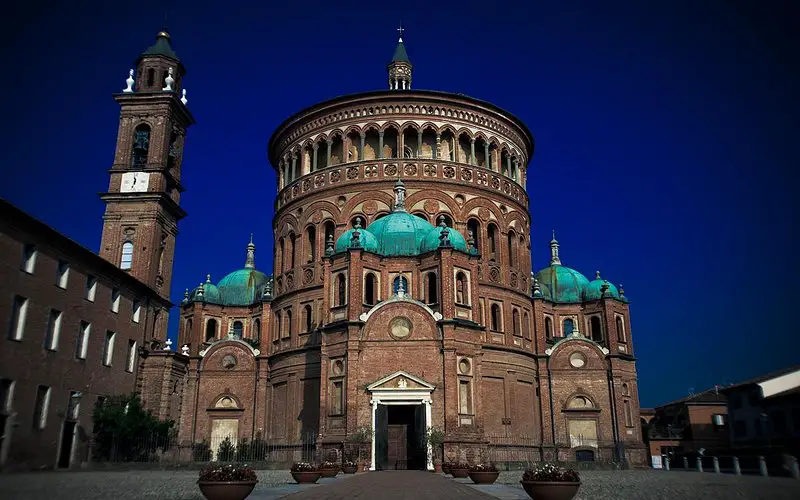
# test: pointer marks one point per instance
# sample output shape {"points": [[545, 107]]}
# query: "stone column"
{"points": [[515, 169], [419, 143], [380, 145], [508, 165], [427, 403], [472, 152], [374, 403], [438, 145], [294, 166], [486, 156], [330, 147], [361, 150], [281, 175], [314, 161]]}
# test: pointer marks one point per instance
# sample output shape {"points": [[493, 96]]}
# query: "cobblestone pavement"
{"points": [[597, 485]]}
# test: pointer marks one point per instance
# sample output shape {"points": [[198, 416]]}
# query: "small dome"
{"points": [[242, 287], [563, 283], [400, 234], [594, 290], [366, 240], [433, 239]]}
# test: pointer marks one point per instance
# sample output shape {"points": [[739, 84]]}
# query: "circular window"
{"points": [[400, 328], [577, 360], [229, 361], [463, 366], [338, 367]]}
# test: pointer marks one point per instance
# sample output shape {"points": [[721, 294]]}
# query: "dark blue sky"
{"points": [[666, 140]]}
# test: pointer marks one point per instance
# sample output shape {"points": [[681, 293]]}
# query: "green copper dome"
{"points": [[242, 287], [594, 290], [400, 233], [433, 240], [366, 241], [162, 47], [563, 283]]}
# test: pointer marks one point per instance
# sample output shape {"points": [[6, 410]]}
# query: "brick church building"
{"points": [[402, 295]]}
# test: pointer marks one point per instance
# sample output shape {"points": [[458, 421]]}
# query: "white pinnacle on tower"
{"points": [[129, 81], [169, 81]]}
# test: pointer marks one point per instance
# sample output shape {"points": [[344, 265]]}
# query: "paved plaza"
{"points": [[390, 485]]}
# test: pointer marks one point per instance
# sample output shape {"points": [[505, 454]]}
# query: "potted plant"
{"points": [[547, 481], [446, 467], [483, 473], [305, 473], [349, 466], [329, 468], [435, 438], [459, 469], [227, 482], [359, 438]]}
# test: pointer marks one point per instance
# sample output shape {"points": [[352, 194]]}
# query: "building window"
{"points": [[628, 416], [740, 429], [91, 288], [516, 323], [41, 406], [330, 230], [465, 397], [596, 329], [82, 346], [288, 332], [491, 234], [53, 330], [19, 315], [74, 405], [256, 330], [341, 290], [115, 300], [311, 244], [108, 348], [278, 325], [238, 329], [29, 258], [620, 329], [337, 394], [370, 289], [141, 140], [62, 276], [308, 316], [548, 328], [568, 327], [496, 318], [131, 361], [126, 261], [526, 326], [510, 249], [432, 292], [211, 330], [474, 232], [6, 395], [400, 280], [626, 390], [292, 239], [462, 289], [137, 310]]}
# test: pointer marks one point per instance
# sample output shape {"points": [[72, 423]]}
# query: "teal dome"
{"points": [[365, 238], [433, 239], [564, 284], [400, 234], [594, 290], [242, 287], [210, 293]]}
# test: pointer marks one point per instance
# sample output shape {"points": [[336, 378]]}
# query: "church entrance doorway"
{"points": [[400, 431]]}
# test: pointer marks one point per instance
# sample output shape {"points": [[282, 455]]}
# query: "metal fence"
{"points": [[170, 450], [519, 451]]}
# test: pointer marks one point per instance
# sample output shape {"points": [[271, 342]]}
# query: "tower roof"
{"points": [[400, 54], [162, 47]]}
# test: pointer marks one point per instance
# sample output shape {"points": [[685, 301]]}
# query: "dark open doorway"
{"points": [[65, 452], [399, 437]]}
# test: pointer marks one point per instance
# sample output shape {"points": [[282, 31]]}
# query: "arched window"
{"points": [[620, 330], [288, 322], [278, 325], [432, 294], [462, 289], [526, 326], [396, 285], [308, 317], [474, 228], [127, 256], [491, 235], [569, 327], [188, 329], [257, 330], [517, 326], [238, 329], [341, 290], [141, 146], [370, 287], [495, 326], [596, 329], [292, 240], [311, 244], [548, 328], [510, 248], [211, 330], [330, 231], [279, 260], [626, 391]]}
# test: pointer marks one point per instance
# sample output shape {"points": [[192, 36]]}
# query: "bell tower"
{"points": [[140, 223]]}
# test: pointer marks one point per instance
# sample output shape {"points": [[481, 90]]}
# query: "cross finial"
{"points": [[400, 30]]}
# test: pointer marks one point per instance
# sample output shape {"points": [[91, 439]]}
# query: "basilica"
{"points": [[402, 295]]}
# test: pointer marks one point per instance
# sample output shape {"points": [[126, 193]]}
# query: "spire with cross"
{"points": [[400, 66]]}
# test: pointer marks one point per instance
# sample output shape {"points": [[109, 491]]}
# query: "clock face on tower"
{"points": [[134, 182]]}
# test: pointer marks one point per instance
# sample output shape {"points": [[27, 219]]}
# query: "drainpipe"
{"points": [[552, 408], [196, 400], [255, 401], [612, 394]]}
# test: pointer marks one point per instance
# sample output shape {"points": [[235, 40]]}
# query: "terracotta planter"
{"points": [[349, 469], [437, 468], [226, 490], [483, 477], [306, 477], [459, 472], [551, 490], [329, 472]]}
